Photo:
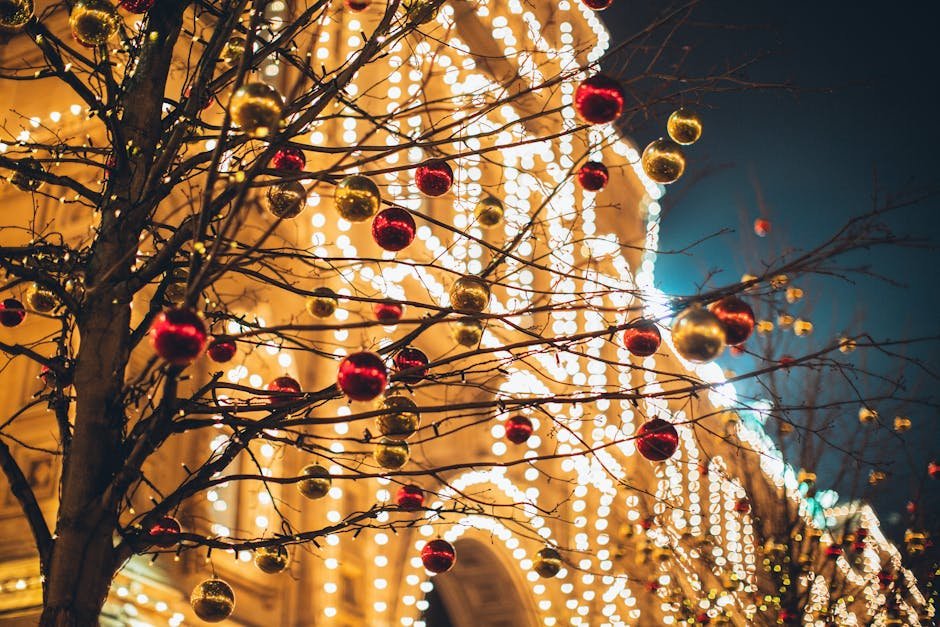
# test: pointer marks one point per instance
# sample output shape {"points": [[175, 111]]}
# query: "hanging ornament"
{"points": [[221, 350], [684, 126], [316, 482], [742, 505], [164, 532], [14, 14], [597, 5], [23, 180], [285, 389], [411, 364], [177, 282], [402, 419], [518, 429], [393, 229], [362, 376], [357, 198], [233, 51], [488, 212], [697, 335], [12, 312], [256, 109], [467, 332], [469, 294], [409, 497], [420, 11], [272, 560], [323, 303], [178, 336], [657, 440], [40, 298], [289, 159], [737, 319], [599, 99], [357, 6], [434, 177], [867, 415], [547, 563], [834, 551], [593, 176], [643, 338], [388, 312], [761, 227], [53, 377], [902, 424], [93, 22], [663, 161], [915, 542], [933, 469], [876, 476], [137, 6], [438, 556], [391, 454], [213, 600], [286, 200]]}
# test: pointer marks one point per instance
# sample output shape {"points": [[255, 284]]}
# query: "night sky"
{"points": [[862, 117]]}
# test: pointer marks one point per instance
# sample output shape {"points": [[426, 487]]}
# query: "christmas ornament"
{"points": [[221, 350], [323, 303], [256, 109], [137, 6], [438, 556], [411, 364], [834, 551], [52, 377], [802, 327], [737, 319], [401, 421], [761, 227], [593, 176], [213, 600], [178, 336], [599, 99], [357, 6], [902, 424], [742, 506], [597, 5], [285, 389], [875, 477], [867, 415], [22, 180], [177, 282], [272, 560], [488, 212], [40, 298], [14, 14], [657, 440], [12, 312], [420, 11], [642, 339], [164, 532], [547, 563], [933, 469], [289, 159], [434, 177], [393, 229], [467, 332], [362, 376], [697, 335], [410, 497], [518, 429], [388, 312], [793, 294], [93, 22], [663, 161], [233, 51], [286, 200], [316, 482], [391, 454], [915, 541], [469, 294], [357, 198], [684, 126]]}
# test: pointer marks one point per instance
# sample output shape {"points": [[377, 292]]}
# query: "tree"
{"points": [[190, 173]]}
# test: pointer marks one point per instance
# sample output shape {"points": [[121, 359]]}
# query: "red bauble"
{"points": [[885, 579], [393, 229], [742, 506], [12, 312], [164, 532], [518, 429], [411, 364], [362, 376], [221, 350], [410, 497], [737, 319], [286, 388], [597, 5], [357, 6], [178, 335], [834, 551], [761, 227], [137, 6], [593, 176], [642, 339], [434, 177], [388, 311], [657, 440], [290, 159], [438, 556], [599, 99], [652, 585], [933, 469]]}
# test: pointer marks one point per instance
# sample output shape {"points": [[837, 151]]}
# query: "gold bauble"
{"points": [[420, 11], [323, 303], [698, 335], [175, 290], [489, 212], [391, 454], [93, 22], [24, 181], [469, 294], [256, 109], [547, 563], [272, 560], [357, 198], [902, 424], [286, 200], [876, 476], [403, 420], [40, 299], [213, 600], [663, 161], [866, 415], [316, 483], [467, 332], [14, 14], [915, 541], [684, 126], [233, 51]]}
